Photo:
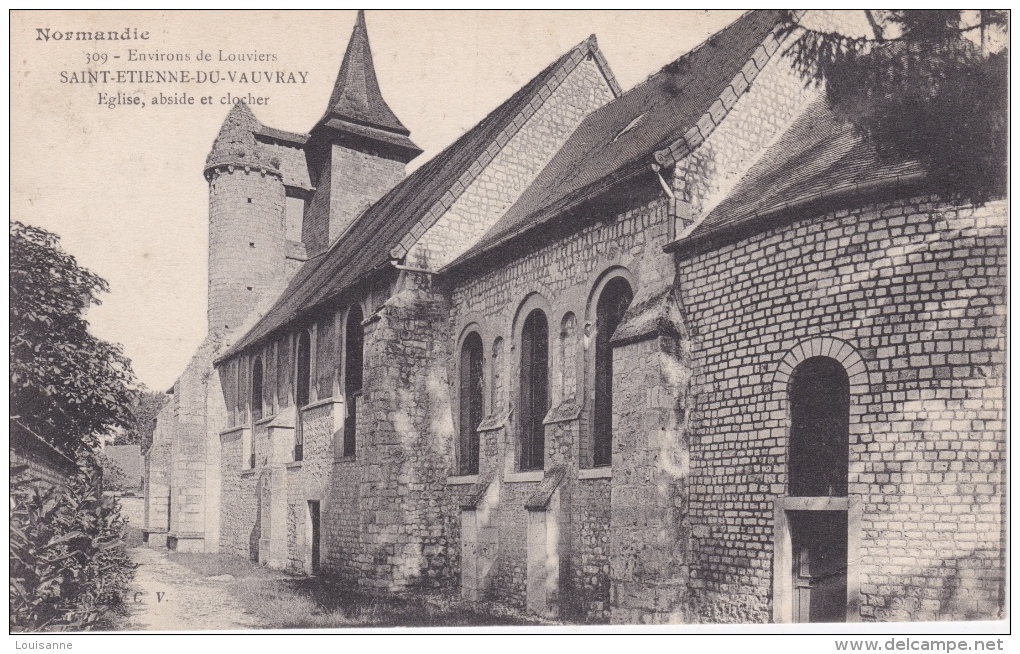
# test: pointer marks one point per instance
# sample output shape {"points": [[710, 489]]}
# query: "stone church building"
{"points": [[690, 352]]}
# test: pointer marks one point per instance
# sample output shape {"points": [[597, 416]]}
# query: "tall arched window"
{"points": [[613, 303], [302, 384], [819, 428], [354, 363], [256, 389], [471, 363], [534, 390]]}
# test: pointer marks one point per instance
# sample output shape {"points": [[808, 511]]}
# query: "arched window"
{"points": [[613, 303], [819, 428], [354, 363], [256, 389], [302, 384], [471, 362], [534, 390]]}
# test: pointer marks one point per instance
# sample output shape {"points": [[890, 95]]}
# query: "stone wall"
{"points": [[560, 277], [405, 450], [246, 244], [762, 101], [348, 182], [917, 289], [513, 166]]}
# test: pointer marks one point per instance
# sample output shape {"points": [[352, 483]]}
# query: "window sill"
{"points": [[323, 402], [595, 473], [294, 465], [522, 477], [248, 472], [461, 480], [345, 459]]}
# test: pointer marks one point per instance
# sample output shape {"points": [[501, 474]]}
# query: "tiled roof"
{"points": [[366, 246], [620, 139], [818, 157], [357, 103]]}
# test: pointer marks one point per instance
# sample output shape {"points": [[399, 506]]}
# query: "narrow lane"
{"points": [[166, 596]]}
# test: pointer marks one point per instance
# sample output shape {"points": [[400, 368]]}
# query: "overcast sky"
{"points": [[123, 187]]}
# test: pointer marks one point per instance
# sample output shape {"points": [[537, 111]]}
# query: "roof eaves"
{"points": [[291, 138], [759, 221], [568, 203], [568, 63]]}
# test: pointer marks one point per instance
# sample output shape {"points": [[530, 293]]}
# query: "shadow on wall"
{"points": [[256, 530]]}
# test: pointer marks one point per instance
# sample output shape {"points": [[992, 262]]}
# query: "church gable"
{"points": [[577, 84]]}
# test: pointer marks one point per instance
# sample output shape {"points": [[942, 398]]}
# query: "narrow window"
{"points": [[301, 387], [256, 390], [819, 429], [471, 363], [613, 303], [325, 366], [228, 375], [568, 358], [497, 376], [284, 370], [354, 359], [534, 390]]}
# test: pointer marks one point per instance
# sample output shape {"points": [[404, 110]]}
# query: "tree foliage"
{"points": [[68, 564], [922, 89], [66, 385], [143, 420]]}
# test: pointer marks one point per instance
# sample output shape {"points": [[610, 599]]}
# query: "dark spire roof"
{"points": [[356, 105]]}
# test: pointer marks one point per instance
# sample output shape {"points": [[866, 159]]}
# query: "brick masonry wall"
{"points": [[513, 168], [917, 288]]}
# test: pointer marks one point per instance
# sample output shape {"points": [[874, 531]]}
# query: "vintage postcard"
{"points": [[459, 320]]}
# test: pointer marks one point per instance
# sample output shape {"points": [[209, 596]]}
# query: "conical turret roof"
{"points": [[356, 105], [236, 144]]}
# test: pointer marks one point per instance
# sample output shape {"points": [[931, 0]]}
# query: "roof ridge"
{"points": [[555, 73]]}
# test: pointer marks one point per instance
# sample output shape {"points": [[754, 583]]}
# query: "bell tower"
{"points": [[356, 152]]}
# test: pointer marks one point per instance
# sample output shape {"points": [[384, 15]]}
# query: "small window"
{"points": [[302, 386], [819, 429], [534, 390], [471, 362], [496, 389], [256, 389], [354, 358], [613, 303]]}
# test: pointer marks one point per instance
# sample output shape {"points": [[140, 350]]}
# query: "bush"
{"points": [[68, 563]]}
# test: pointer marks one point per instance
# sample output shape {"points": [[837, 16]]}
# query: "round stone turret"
{"points": [[247, 232], [236, 145]]}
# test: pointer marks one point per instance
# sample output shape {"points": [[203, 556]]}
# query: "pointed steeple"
{"points": [[356, 105]]}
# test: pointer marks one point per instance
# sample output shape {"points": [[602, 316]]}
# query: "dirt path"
{"points": [[166, 596]]}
